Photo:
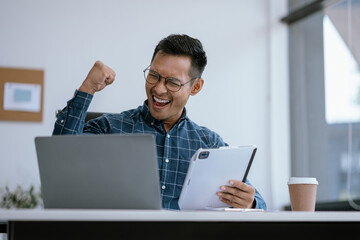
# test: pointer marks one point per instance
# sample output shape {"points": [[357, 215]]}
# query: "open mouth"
{"points": [[160, 102]]}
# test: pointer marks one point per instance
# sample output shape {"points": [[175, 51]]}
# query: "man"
{"points": [[172, 77]]}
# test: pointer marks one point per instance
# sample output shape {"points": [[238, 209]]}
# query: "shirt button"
{"points": [[163, 187], [62, 121], [166, 160], [168, 136], [152, 123]]}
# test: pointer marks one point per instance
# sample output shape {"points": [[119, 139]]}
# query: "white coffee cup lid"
{"points": [[302, 180]]}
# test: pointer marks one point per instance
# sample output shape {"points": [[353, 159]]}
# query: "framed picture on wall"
{"points": [[21, 94]]}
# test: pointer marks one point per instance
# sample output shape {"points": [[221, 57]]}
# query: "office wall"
{"points": [[244, 98]]}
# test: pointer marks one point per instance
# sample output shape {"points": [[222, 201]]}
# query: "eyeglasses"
{"points": [[172, 84]]}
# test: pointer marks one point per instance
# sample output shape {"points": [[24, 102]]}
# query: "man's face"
{"points": [[164, 104]]}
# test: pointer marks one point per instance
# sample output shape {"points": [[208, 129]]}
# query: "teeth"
{"points": [[160, 100]]}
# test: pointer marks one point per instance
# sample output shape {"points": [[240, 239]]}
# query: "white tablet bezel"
{"points": [[211, 168]]}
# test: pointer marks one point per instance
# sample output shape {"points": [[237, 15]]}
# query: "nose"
{"points": [[160, 86]]}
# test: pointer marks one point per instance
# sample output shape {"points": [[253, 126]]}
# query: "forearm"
{"points": [[259, 202], [72, 118]]}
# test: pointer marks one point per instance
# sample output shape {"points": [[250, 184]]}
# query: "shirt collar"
{"points": [[150, 120]]}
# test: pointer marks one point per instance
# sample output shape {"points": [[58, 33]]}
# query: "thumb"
{"points": [[109, 80]]}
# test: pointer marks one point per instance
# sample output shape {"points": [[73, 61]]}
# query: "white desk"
{"points": [[134, 224]]}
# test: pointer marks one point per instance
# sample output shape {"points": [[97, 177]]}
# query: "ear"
{"points": [[197, 86]]}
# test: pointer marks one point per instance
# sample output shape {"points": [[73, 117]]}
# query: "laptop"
{"points": [[99, 171]]}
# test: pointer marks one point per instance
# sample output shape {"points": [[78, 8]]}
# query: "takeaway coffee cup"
{"points": [[302, 193]]}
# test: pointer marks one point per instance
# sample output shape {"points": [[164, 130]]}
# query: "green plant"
{"points": [[21, 198]]}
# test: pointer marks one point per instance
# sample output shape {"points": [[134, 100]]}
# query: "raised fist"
{"points": [[98, 78]]}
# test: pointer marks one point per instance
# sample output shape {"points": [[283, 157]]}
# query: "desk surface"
{"points": [[165, 215], [160, 224]]}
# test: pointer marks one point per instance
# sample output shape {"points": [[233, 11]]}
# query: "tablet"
{"points": [[211, 168]]}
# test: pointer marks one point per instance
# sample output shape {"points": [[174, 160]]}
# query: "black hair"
{"points": [[183, 45]]}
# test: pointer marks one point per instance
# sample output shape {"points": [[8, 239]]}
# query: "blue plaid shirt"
{"points": [[174, 148]]}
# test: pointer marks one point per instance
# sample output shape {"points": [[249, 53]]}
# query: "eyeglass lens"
{"points": [[153, 77]]}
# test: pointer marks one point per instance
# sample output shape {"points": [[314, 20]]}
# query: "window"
{"points": [[342, 77], [342, 94], [324, 48]]}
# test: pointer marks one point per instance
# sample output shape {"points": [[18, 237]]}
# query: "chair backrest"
{"points": [[92, 115], [89, 115]]}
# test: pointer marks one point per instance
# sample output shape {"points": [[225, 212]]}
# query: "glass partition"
{"points": [[324, 55], [342, 95]]}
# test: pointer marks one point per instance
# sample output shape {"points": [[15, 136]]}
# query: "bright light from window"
{"points": [[342, 78]]}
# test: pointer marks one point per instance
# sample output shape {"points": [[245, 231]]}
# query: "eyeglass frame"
{"points": [[167, 79]]}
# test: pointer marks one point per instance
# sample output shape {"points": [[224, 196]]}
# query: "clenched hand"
{"points": [[98, 78]]}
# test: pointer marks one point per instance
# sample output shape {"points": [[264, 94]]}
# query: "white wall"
{"points": [[244, 98]]}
